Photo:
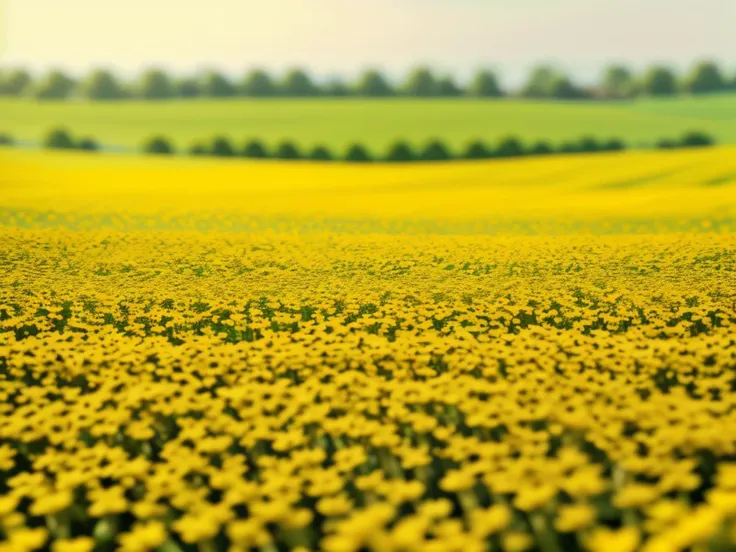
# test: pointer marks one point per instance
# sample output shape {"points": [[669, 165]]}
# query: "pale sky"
{"points": [[342, 37]]}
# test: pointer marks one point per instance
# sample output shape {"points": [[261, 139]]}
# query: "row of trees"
{"points": [[401, 151], [617, 82]]}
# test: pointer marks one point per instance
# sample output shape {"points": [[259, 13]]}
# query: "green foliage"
{"points": [[58, 138], [541, 148], [540, 82], [158, 145], [705, 77], [447, 88], [336, 88], [696, 138], [56, 85], [6, 139], [187, 88], [88, 144], [296, 83], [570, 146], [222, 147], [484, 85], [101, 85], [287, 150], [614, 144], [435, 150], [511, 146], [618, 83], [198, 148], [477, 149], [258, 84], [562, 88], [589, 144], [255, 149], [421, 83], [356, 153], [320, 153], [216, 85], [659, 81], [666, 143], [373, 84], [155, 84], [15, 82], [400, 152]]}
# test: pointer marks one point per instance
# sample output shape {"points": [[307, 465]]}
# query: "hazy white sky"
{"points": [[340, 37]]}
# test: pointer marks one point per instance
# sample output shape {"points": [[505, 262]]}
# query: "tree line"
{"points": [[400, 152], [617, 82]]}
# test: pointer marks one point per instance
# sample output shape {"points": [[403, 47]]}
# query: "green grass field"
{"points": [[376, 123]]}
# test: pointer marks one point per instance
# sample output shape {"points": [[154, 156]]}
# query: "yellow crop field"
{"points": [[507, 355]]}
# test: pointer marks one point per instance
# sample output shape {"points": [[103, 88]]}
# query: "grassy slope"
{"points": [[375, 123]]}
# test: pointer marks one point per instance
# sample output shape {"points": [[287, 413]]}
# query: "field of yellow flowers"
{"points": [[527, 355]]}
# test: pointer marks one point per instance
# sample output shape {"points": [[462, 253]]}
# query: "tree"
{"points": [[400, 152], [705, 77], [54, 86], [320, 153], [435, 150], [540, 82], [618, 83], [666, 143], [614, 144], [562, 88], [484, 85], [589, 144], [101, 85], [58, 138], [255, 150], [336, 88], [6, 139], [373, 84], [15, 82], [222, 147], [187, 87], [198, 148], [154, 84], [296, 83], [477, 149], [88, 144], [447, 88], [420, 83], [541, 148], [509, 147], [258, 84], [696, 139], [570, 147], [287, 150], [216, 85], [659, 81], [356, 153], [158, 145]]}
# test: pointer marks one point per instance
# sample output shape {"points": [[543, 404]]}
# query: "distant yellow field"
{"points": [[603, 188]]}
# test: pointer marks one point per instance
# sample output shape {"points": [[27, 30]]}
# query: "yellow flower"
{"points": [[489, 521], [603, 539], [107, 501], [143, 536], [51, 503], [574, 517], [22, 540], [516, 541], [635, 495], [531, 498], [79, 544]]}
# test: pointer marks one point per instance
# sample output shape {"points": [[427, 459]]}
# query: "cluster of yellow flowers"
{"points": [[177, 391]]}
